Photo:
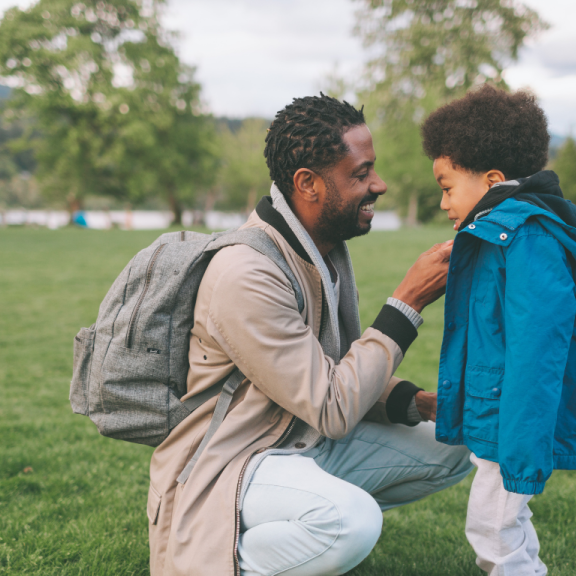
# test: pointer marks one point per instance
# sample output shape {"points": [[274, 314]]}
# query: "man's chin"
{"points": [[359, 230]]}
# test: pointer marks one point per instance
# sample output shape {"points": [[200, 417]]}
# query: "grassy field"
{"points": [[73, 503]]}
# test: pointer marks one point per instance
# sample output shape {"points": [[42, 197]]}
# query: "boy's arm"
{"points": [[540, 308]]}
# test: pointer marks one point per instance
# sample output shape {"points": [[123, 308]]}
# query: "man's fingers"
{"points": [[444, 252], [440, 246]]}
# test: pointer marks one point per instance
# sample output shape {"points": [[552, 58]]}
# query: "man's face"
{"points": [[352, 188]]}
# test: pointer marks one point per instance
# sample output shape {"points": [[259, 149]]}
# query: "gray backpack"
{"points": [[130, 367]]}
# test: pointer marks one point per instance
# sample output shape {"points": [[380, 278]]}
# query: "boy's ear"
{"points": [[493, 177]]}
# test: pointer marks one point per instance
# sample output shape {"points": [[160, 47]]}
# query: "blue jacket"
{"points": [[507, 380]]}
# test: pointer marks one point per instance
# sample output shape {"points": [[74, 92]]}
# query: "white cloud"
{"points": [[254, 56], [548, 64]]}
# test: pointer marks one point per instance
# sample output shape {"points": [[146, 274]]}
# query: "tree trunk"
{"points": [[251, 201], [412, 215], [210, 200], [176, 208]]}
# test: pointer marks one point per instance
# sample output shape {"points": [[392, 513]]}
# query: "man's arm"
{"points": [[254, 318], [406, 403]]}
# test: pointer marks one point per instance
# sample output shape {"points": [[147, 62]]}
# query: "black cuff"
{"points": [[399, 400], [396, 325]]}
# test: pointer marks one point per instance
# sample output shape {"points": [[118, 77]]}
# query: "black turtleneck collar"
{"points": [[271, 216]]}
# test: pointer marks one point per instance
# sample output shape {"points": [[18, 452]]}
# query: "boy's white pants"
{"points": [[498, 526]]}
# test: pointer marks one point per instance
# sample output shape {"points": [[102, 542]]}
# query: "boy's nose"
{"points": [[444, 204]]}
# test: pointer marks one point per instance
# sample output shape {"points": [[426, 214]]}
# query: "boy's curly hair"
{"points": [[490, 129], [308, 134]]}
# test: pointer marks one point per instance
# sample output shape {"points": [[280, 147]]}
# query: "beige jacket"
{"points": [[246, 315]]}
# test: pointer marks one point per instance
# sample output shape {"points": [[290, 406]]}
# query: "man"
{"points": [[320, 437]]}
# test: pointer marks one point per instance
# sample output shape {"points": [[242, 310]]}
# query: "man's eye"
{"points": [[362, 176]]}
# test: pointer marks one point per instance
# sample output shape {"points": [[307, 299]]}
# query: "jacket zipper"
{"points": [[149, 270], [239, 487]]}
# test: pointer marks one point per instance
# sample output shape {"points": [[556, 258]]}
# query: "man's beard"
{"points": [[340, 220]]}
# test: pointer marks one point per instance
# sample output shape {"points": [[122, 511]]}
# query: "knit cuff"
{"points": [[408, 311], [399, 401], [413, 414], [396, 325]]}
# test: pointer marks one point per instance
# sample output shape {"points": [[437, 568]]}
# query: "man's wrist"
{"points": [[395, 324], [407, 310], [399, 402], [408, 298]]}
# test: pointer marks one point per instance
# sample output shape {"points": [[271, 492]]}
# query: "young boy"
{"points": [[507, 381]]}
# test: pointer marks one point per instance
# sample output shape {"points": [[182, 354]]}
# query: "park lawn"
{"points": [[73, 503]]}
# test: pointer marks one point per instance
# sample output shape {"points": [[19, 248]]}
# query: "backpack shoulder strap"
{"points": [[257, 239], [261, 242], [226, 394]]}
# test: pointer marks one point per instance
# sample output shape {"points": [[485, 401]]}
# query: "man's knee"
{"points": [[460, 460], [361, 525]]}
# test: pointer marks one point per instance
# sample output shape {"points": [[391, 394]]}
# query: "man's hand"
{"points": [[425, 281], [426, 404]]}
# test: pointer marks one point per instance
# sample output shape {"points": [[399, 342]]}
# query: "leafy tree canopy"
{"points": [[118, 113], [244, 176], [565, 167], [427, 52]]}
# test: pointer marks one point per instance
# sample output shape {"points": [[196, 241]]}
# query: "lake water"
{"points": [[151, 219]]}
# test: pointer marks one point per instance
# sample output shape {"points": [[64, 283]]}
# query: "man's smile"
{"points": [[368, 208]]}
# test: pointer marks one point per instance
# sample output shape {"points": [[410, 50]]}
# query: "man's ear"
{"points": [[308, 185], [494, 176]]}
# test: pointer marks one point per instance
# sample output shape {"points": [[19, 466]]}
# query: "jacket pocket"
{"points": [[482, 402], [83, 348], [153, 507]]}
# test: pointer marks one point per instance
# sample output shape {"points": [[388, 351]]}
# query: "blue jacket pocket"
{"points": [[482, 402]]}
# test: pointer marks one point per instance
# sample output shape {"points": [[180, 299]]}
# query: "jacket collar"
{"points": [[545, 184], [271, 216], [279, 215]]}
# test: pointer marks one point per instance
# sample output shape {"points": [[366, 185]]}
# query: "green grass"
{"points": [[81, 509]]}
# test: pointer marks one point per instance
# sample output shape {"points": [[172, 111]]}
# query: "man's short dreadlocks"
{"points": [[308, 134]]}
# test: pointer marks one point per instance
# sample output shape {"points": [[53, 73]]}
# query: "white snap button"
{"points": [[472, 226], [503, 236]]}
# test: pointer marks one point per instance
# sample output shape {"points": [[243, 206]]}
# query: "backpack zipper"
{"points": [[149, 270]]}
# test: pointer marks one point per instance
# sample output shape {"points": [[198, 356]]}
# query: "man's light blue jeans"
{"points": [[320, 514]]}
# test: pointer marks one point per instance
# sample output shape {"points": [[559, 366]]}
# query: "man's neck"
{"points": [[308, 218]]}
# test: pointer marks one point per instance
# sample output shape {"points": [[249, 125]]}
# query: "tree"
{"points": [[244, 176], [429, 52], [565, 167], [118, 113]]}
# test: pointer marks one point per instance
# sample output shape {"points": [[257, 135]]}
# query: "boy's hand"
{"points": [[426, 404], [425, 281]]}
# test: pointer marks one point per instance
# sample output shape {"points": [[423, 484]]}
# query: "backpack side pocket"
{"points": [[83, 348]]}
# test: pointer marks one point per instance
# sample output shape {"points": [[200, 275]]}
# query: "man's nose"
{"points": [[378, 185]]}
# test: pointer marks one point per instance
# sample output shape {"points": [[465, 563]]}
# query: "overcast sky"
{"points": [[254, 56]]}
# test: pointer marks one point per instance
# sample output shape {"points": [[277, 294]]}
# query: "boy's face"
{"points": [[462, 190]]}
